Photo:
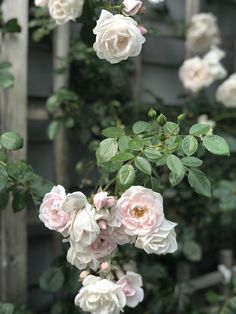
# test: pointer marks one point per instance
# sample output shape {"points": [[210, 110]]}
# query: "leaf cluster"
{"points": [[18, 182], [143, 151]]}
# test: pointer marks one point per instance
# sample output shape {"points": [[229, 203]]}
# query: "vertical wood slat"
{"points": [[191, 7], [13, 108], [60, 145], [60, 53]]}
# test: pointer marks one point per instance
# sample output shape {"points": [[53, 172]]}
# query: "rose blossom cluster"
{"points": [[118, 36], [200, 72], [94, 231]]}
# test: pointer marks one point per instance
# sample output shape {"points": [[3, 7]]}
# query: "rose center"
{"points": [[139, 212]]}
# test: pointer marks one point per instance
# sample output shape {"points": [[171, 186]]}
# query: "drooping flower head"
{"points": [[100, 296], [117, 37]]}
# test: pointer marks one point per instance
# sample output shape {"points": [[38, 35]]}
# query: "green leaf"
{"points": [[189, 145], [136, 144], [199, 129], [126, 176], [172, 143], [171, 128], [53, 103], [3, 178], [199, 182], [112, 166], [12, 26], [143, 165], [123, 143], [113, 132], [20, 198], [53, 129], [192, 251], [18, 169], [161, 161], [11, 140], [6, 80], [39, 186], [175, 164], [123, 157], [108, 149], [216, 145], [52, 280], [140, 127], [176, 179], [152, 153], [192, 161]]}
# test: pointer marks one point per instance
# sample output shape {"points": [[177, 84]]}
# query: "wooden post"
{"points": [[13, 107], [191, 7], [60, 144], [60, 53]]}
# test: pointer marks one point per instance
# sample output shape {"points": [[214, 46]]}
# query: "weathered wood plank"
{"points": [[13, 106], [60, 144], [61, 51]]}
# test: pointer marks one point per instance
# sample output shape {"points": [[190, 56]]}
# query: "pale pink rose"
{"points": [[103, 247], [131, 7], [41, 3], [102, 200], [160, 241], [80, 257], [131, 285], [140, 210], [51, 212]]}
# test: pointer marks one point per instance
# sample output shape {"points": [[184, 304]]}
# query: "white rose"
{"points": [[63, 11], [81, 258], [197, 73], [103, 248], [131, 285], [100, 296], [226, 92], [161, 241], [41, 3], [203, 33], [117, 37], [212, 59], [131, 7], [84, 228], [75, 202]]}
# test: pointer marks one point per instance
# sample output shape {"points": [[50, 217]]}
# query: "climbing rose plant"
{"points": [[129, 209]]}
